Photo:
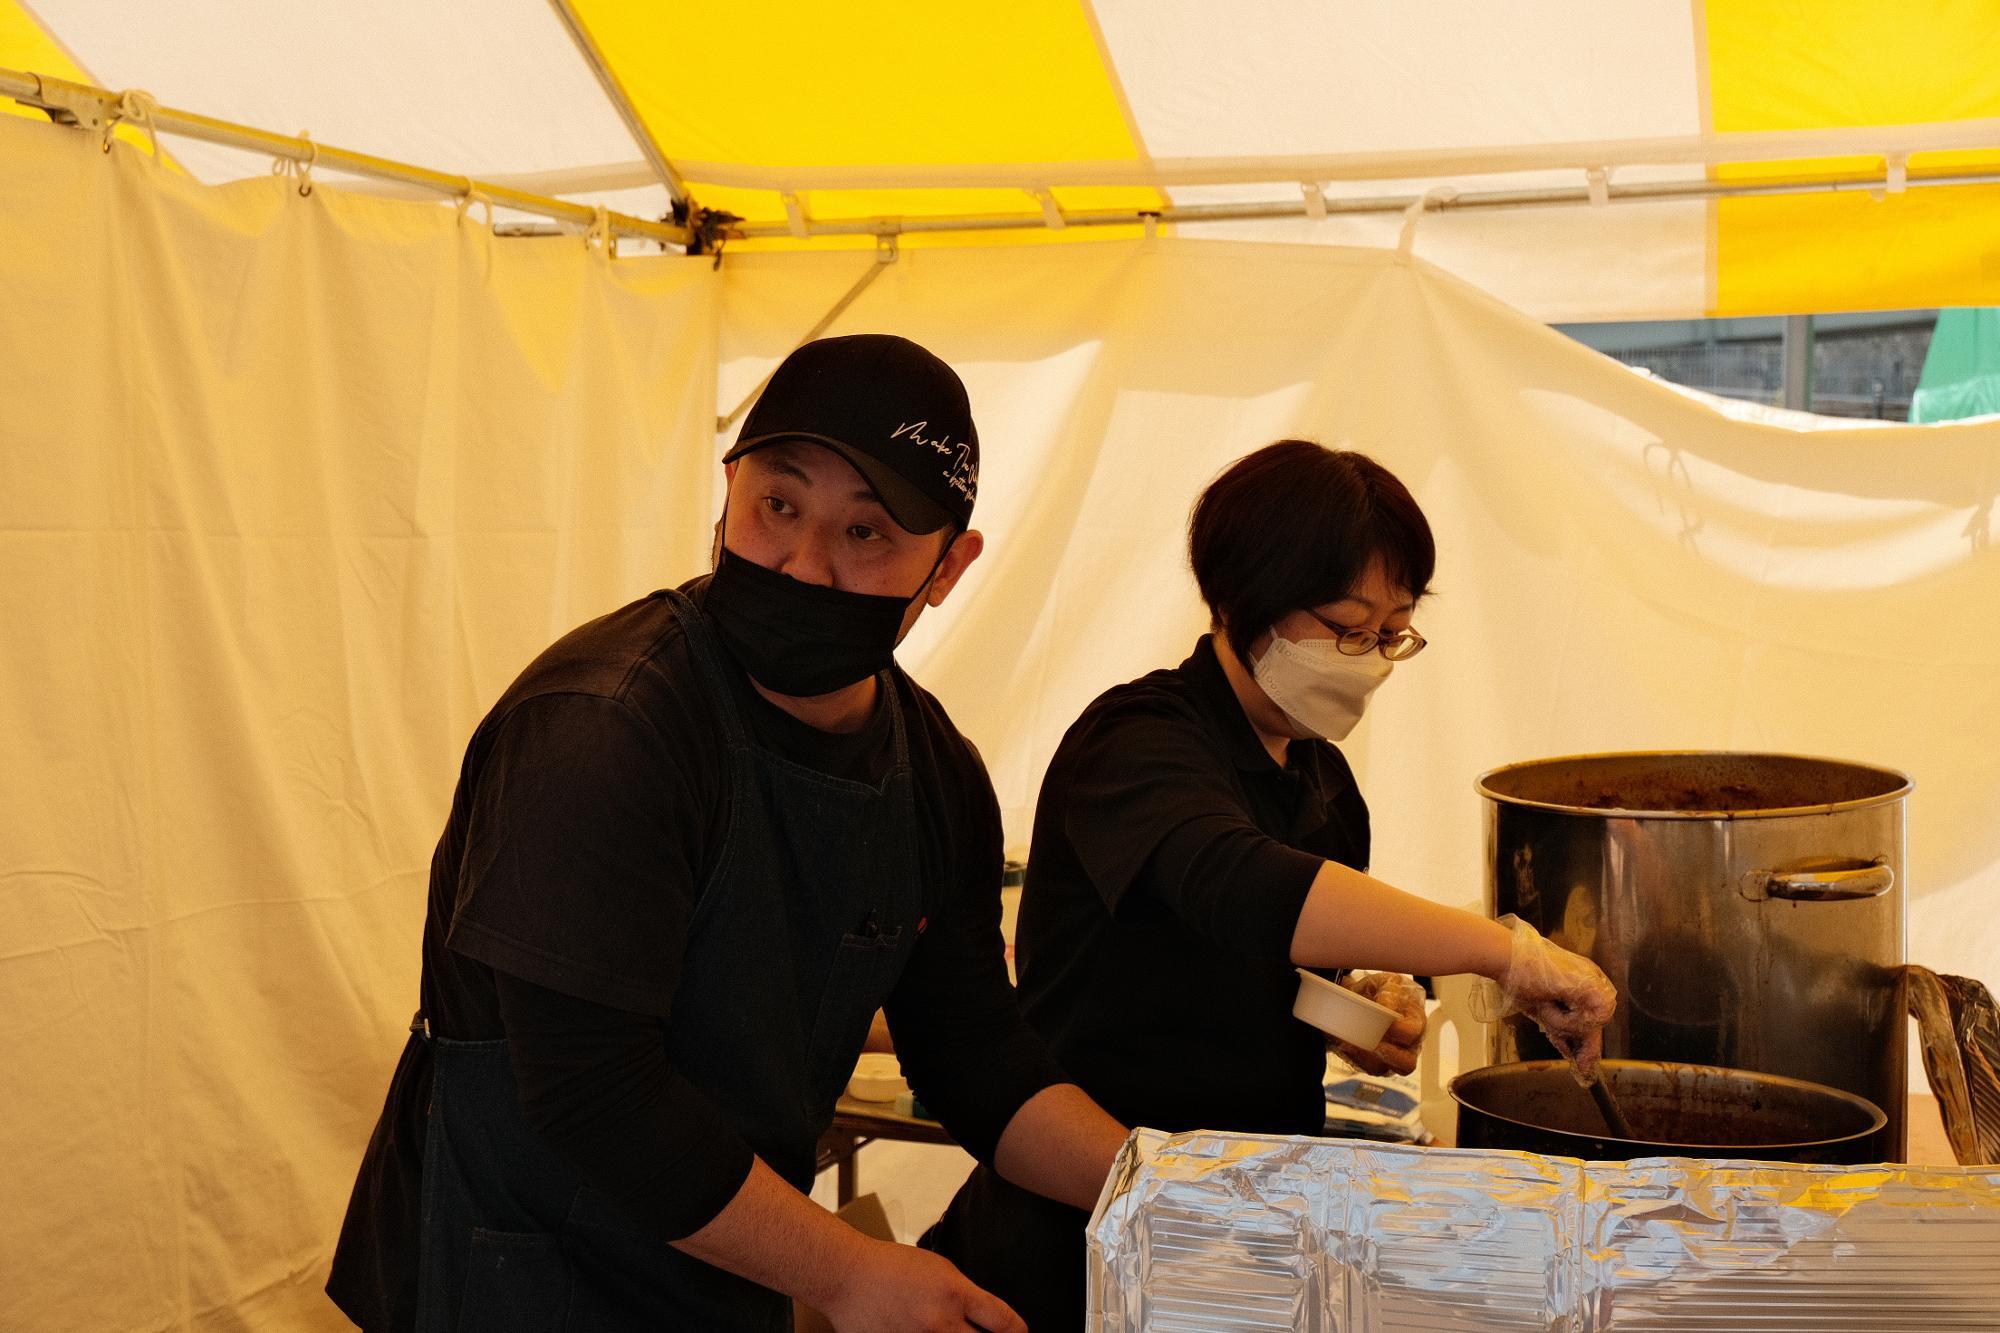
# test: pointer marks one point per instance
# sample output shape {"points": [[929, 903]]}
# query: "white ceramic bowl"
{"points": [[878, 1077], [1339, 1012]]}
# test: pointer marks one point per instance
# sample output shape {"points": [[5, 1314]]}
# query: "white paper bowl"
{"points": [[1341, 1013], [877, 1077]]}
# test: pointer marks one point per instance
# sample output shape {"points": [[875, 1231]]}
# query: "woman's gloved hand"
{"points": [[1568, 996], [1396, 1053]]}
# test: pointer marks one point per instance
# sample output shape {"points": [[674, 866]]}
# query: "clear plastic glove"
{"points": [[1568, 996], [1396, 1053]]}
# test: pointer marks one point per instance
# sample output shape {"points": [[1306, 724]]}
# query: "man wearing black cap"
{"points": [[693, 849]]}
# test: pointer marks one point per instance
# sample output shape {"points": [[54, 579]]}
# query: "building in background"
{"points": [[1861, 365]]}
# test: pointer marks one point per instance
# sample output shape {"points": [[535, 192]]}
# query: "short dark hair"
{"points": [[1295, 525]]}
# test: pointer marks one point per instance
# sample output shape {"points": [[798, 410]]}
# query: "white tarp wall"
{"points": [[294, 486]]}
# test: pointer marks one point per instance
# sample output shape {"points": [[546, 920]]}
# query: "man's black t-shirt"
{"points": [[1171, 858], [590, 808]]}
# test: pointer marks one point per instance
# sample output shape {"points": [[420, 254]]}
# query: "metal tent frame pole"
{"points": [[1895, 145], [1322, 206], [621, 100], [87, 107], [94, 108]]}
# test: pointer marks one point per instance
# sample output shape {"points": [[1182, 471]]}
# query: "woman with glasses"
{"points": [[1199, 836]]}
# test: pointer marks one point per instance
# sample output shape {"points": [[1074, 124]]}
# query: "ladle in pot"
{"points": [[1607, 1106], [1600, 1092]]}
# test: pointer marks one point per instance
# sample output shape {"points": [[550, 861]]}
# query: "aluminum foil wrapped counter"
{"points": [[1236, 1232]]}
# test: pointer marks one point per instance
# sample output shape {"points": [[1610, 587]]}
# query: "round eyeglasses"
{"points": [[1399, 647]]}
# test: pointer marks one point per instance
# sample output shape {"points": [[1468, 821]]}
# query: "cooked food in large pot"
{"points": [[1674, 1110]]}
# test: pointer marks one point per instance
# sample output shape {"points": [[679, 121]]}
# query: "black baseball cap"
{"points": [[895, 412]]}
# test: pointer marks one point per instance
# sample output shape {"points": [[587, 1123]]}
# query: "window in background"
{"points": [[1862, 365]]}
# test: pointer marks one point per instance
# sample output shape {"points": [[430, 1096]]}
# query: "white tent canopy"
{"points": [[1749, 156]]}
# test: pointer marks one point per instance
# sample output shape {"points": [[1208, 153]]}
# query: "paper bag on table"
{"points": [[1958, 1025]]}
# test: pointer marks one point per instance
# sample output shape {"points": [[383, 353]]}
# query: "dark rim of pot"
{"points": [[1878, 1117], [1483, 785]]}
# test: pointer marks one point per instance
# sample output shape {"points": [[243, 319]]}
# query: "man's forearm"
{"points": [[1060, 1144], [777, 1237]]}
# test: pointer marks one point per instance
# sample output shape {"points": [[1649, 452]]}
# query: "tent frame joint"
{"points": [[1052, 214], [68, 106], [796, 216], [708, 229]]}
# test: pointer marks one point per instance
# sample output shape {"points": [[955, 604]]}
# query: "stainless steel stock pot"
{"points": [[1748, 907]]}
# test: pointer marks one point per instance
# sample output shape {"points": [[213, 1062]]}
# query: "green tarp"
{"points": [[1962, 369]]}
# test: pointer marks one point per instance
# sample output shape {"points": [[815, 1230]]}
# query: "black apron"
{"points": [[801, 932]]}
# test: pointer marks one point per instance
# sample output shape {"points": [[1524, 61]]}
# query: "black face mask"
{"points": [[802, 638]]}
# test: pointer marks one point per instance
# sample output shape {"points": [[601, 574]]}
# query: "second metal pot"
{"points": [[1674, 1111]]}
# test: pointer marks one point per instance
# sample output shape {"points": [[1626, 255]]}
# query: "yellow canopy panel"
{"points": [[904, 82], [1779, 65]]}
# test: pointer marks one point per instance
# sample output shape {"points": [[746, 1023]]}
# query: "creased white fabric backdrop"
{"points": [[1621, 566], [292, 487]]}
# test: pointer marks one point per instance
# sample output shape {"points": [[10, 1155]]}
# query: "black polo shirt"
{"points": [[1171, 858], [590, 811]]}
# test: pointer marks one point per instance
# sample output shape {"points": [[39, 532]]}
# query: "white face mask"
{"points": [[1321, 689]]}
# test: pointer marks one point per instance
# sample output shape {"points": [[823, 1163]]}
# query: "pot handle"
{"points": [[1829, 885]]}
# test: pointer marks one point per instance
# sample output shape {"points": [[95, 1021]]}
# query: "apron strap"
{"points": [[708, 661], [898, 730]]}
